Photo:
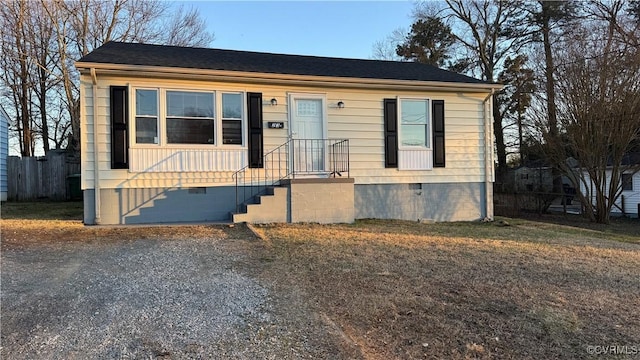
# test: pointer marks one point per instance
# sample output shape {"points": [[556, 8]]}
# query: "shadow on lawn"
{"points": [[619, 225], [536, 229]]}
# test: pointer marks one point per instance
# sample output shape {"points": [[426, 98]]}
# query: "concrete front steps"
{"points": [[272, 207], [318, 200]]}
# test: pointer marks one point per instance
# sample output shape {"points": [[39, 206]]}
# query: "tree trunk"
{"points": [[551, 91], [25, 117], [43, 108], [520, 140], [501, 149]]}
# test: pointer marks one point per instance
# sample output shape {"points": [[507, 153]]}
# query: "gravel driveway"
{"points": [[187, 298]]}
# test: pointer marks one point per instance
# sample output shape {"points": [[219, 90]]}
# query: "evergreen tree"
{"points": [[428, 42]]}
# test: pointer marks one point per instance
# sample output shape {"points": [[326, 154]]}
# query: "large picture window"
{"points": [[232, 118], [190, 117], [202, 118], [146, 116], [414, 123]]}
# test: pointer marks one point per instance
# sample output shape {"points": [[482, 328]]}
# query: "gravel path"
{"points": [[191, 298]]}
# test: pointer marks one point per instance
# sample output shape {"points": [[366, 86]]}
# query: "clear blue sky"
{"points": [[323, 28]]}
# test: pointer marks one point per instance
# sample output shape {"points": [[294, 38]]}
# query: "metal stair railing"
{"points": [[294, 157]]}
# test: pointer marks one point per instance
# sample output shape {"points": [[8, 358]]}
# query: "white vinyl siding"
{"points": [[4, 152], [631, 197], [196, 160], [360, 121]]}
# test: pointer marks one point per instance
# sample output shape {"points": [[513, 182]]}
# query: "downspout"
{"points": [[488, 156], [96, 164]]}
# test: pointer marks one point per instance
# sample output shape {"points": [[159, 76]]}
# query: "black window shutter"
{"points": [[119, 128], [254, 115], [438, 132], [390, 133]]}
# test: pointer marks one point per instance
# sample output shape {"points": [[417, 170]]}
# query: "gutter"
{"points": [[96, 164], [272, 78], [488, 155]]}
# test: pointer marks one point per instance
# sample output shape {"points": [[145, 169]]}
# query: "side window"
{"points": [[146, 116], [190, 118], [414, 123], [232, 118], [627, 182]]}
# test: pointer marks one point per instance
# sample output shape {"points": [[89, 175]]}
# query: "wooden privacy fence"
{"points": [[33, 178]]}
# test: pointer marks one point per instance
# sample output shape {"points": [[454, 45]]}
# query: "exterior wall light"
{"points": [[274, 102], [340, 105]]}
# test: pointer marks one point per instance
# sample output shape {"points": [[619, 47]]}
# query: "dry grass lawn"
{"points": [[465, 290], [394, 289], [32, 223]]}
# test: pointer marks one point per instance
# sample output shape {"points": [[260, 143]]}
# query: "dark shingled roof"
{"points": [[232, 60]]}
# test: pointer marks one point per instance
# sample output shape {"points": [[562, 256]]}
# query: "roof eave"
{"points": [[271, 78]]}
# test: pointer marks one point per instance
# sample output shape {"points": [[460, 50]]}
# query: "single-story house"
{"points": [[532, 178], [4, 153], [177, 134], [535, 176]]}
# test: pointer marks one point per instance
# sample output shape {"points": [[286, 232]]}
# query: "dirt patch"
{"points": [[76, 292]]}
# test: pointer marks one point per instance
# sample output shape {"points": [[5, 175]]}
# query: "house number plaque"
{"points": [[275, 125]]}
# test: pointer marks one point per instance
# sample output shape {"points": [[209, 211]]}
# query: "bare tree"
{"points": [[187, 28], [385, 49], [44, 54], [40, 40], [548, 14], [480, 26], [599, 114], [17, 67], [81, 26]]}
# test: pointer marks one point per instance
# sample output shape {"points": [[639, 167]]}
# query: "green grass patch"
{"points": [[42, 210]]}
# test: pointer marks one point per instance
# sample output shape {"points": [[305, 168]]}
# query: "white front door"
{"points": [[307, 131]]}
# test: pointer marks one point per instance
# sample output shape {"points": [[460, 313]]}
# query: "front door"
{"points": [[307, 132]]}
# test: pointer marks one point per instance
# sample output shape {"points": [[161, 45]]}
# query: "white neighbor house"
{"points": [[629, 201], [174, 134]]}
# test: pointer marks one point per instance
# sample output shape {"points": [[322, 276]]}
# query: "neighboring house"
{"points": [[4, 153], [189, 134], [528, 178], [535, 178], [629, 201]]}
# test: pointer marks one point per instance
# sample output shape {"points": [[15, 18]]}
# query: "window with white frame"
{"points": [[414, 123], [190, 117], [146, 116], [232, 118]]}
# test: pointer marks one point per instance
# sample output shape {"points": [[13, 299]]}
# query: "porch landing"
{"points": [[318, 200]]}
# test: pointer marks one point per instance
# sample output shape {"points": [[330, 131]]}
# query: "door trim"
{"points": [[314, 96], [291, 99]]}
